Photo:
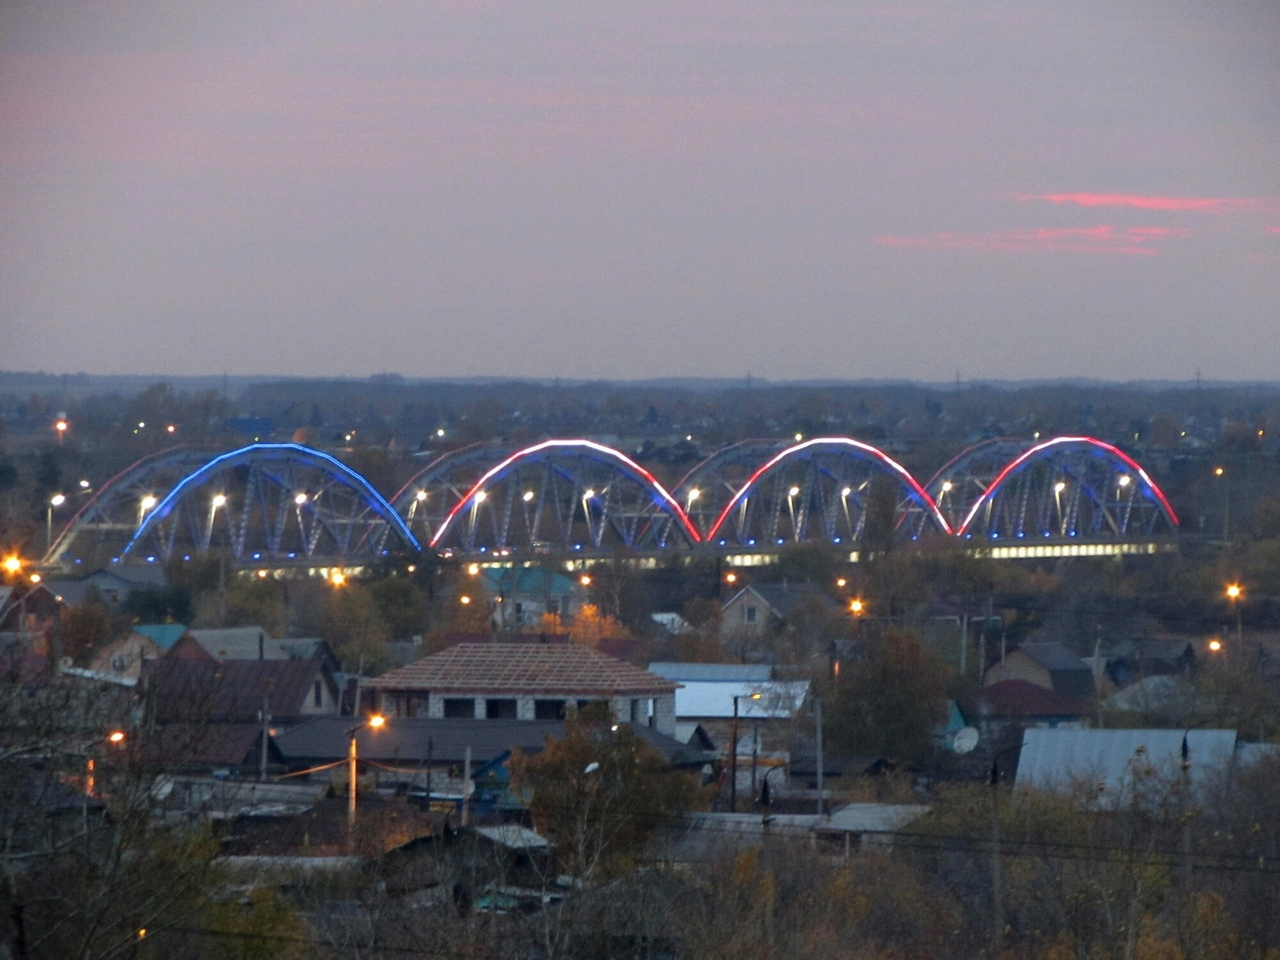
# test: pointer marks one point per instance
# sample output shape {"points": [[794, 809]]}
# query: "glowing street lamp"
{"points": [[1235, 593], [12, 564], [337, 578], [56, 500], [374, 723], [857, 607], [1215, 645], [585, 580]]}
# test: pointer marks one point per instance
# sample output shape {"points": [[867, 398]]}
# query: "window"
{"points": [[500, 709], [457, 708], [519, 613], [317, 695], [749, 615], [635, 711], [553, 607], [548, 709]]}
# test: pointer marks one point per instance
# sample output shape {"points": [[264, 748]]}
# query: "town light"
{"points": [[946, 486], [730, 577], [219, 500], [481, 497], [841, 581], [1124, 480], [585, 580], [148, 502], [421, 495], [528, 496], [337, 578], [1234, 591], [856, 607], [12, 564], [464, 600], [1215, 645], [473, 568], [300, 499], [793, 492], [57, 500], [115, 736], [1059, 487]]}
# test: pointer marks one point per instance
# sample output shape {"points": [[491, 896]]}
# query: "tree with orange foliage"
{"points": [[591, 625]]}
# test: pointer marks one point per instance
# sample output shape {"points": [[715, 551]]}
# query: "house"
{"points": [[761, 607], [765, 709], [512, 681], [249, 643], [122, 656], [1048, 665], [524, 594], [111, 587], [857, 826], [237, 691], [1133, 660], [1002, 711]]}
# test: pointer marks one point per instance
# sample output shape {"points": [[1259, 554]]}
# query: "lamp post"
{"points": [[733, 754], [374, 722], [57, 500], [1235, 593]]}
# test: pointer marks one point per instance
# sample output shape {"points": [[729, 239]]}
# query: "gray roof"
{"points": [[782, 597], [241, 643], [409, 740], [1054, 656], [706, 837], [1118, 762], [514, 837], [745, 672], [872, 817]]}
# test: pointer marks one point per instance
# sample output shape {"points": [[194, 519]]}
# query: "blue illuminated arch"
{"points": [[265, 452]]}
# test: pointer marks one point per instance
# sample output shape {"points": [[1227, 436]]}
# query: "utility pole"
{"points": [[266, 732], [817, 715]]}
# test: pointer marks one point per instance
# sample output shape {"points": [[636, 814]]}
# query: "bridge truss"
{"points": [[570, 497], [1070, 488]]}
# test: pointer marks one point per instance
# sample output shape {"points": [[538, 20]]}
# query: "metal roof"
{"points": [[741, 672], [1116, 763], [778, 700], [872, 817]]}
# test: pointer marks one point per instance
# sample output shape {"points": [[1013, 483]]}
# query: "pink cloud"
{"points": [[1100, 239], [1139, 202]]}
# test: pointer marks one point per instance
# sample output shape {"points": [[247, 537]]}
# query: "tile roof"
{"points": [[523, 668]]}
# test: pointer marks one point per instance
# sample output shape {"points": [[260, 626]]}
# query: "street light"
{"points": [[374, 722], [56, 500], [1235, 593], [733, 758]]}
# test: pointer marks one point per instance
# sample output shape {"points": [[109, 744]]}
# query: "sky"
{"points": [[983, 189]]}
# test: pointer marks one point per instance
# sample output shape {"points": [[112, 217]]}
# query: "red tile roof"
{"points": [[523, 668]]}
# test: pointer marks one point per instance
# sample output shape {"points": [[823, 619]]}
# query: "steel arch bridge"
{"points": [[265, 505], [965, 478], [1070, 488], [565, 496], [427, 498], [823, 489], [281, 504]]}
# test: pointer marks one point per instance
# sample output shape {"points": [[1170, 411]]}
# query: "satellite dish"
{"points": [[965, 740]]}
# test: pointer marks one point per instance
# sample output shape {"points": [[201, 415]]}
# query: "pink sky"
{"points": [[813, 189]]}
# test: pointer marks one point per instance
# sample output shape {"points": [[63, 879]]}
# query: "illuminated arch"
{"points": [[425, 500], [820, 490], [98, 531], [274, 504], [565, 496], [963, 479], [1071, 487], [705, 490]]}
